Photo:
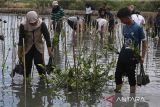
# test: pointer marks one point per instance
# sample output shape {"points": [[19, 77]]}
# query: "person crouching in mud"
{"points": [[101, 22], [31, 30], [130, 53], [76, 23]]}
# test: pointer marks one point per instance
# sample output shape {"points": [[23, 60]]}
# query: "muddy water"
{"points": [[38, 94]]}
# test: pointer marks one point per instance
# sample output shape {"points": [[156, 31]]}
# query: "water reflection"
{"points": [[36, 96], [157, 42], [84, 99], [57, 59], [157, 53]]}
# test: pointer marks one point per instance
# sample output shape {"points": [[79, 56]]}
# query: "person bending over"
{"points": [[31, 31]]}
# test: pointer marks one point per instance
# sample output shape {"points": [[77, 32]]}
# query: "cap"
{"points": [[54, 3]]}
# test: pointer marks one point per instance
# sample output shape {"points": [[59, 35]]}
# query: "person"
{"points": [[150, 21], [88, 13], [132, 8], [149, 28], [157, 24], [138, 18], [101, 22], [31, 31], [129, 56], [110, 16], [76, 23], [57, 16], [102, 10]]}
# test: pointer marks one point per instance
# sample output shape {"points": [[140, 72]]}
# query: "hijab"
{"points": [[32, 17]]}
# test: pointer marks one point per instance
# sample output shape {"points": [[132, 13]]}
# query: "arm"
{"points": [[20, 43], [62, 12], [46, 35], [144, 44], [144, 49]]}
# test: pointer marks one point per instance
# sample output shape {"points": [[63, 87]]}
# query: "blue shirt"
{"points": [[157, 21], [133, 34]]}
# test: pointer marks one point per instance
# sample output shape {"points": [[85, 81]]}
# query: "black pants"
{"points": [[35, 55], [157, 31], [88, 18], [127, 69], [57, 26]]}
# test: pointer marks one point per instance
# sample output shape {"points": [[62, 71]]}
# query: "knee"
{"points": [[132, 81]]}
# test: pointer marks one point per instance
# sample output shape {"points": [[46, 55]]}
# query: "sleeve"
{"points": [[62, 12], [46, 34], [21, 35], [141, 33]]}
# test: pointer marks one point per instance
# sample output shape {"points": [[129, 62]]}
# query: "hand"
{"points": [[50, 51], [50, 23], [142, 60], [64, 18]]}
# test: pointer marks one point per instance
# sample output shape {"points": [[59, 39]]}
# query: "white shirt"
{"points": [[88, 10], [139, 19], [75, 19], [101, 23]]}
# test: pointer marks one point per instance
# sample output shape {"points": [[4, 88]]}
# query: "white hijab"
{"points": [[32, 17]]}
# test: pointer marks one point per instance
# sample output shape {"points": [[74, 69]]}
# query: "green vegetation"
{"points": [[80, 4], [85, 77]]}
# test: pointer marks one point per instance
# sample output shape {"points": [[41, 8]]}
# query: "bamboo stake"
{"points": [[24, 63], [65, 51], [13, 52], [3, 43]]}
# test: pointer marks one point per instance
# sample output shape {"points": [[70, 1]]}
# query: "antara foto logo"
{"points": [[110, 99]]}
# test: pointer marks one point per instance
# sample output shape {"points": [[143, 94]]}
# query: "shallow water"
{"points": [[38, 94]]}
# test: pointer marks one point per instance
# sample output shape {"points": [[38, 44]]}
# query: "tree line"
{"points": [[80, 4]]}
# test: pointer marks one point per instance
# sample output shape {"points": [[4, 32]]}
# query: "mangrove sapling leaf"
{"points": [[70, 74], [42, 66], [69, 93], [73, 84], [135, 50], [3, 65], [55, 40], [111, 77], [58, 71]]}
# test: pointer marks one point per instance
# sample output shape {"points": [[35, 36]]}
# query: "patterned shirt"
{"points": [[133, 34], [57, 15]]}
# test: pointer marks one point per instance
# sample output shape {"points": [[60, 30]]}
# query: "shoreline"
{"points": [[47, 11], [44, 11]]}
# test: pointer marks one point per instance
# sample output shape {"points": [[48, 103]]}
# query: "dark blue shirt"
{"points": [[157, 21], [133, 35]]}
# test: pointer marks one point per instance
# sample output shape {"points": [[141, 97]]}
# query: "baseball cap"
{"points": [[54, 3]]}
